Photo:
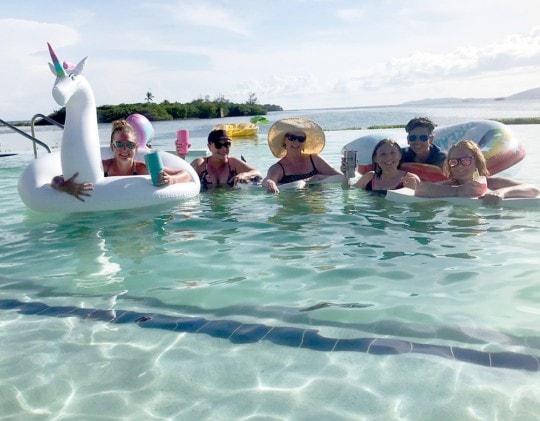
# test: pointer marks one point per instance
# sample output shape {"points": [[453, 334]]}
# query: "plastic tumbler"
{"points": [[154, 165], [350, 164], [182, 143]]}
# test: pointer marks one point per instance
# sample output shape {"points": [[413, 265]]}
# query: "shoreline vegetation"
{"points": [[167, 111], [203, 109]]}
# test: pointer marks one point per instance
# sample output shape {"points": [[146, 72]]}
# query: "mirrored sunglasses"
{"points": [[465, 161], [219, 145], [298, 138], [420, 137], [120, 144]]}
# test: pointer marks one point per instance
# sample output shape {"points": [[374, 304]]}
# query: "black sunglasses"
{"points": [[219, 145], [421, 137], [298, 138]]}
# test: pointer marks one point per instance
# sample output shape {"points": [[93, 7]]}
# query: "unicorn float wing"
{"points": [[80, 150]]}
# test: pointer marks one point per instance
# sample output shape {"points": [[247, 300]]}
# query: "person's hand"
{"points": [[70, 186], [410, 180], [343, 166], [271, 186], [492, 198], [164, 179]]}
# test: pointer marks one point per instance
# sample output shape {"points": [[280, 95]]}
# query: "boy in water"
{"points": [[421, 148]]}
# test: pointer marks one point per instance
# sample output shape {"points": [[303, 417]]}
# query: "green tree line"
{"points": [[200, 108]]}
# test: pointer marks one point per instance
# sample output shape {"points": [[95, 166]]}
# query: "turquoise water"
{"points": [[193, 311]]}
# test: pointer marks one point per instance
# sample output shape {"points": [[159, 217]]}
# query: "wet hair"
{"points": [[218, 135], [420, 122], [479, 159], [376, 168], [123, 126]]}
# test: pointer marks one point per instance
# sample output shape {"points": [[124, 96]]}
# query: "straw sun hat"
{"points": [[314, 143]]}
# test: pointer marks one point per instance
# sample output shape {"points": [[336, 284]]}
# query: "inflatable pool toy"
{"points": [[406, 195], [239, 129], [81, 152], [300, 184], [495, 140], [110, 193], [143, 128]]}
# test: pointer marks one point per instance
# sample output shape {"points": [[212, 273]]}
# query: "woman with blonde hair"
{"points": [[298, 143], [468, 176]]}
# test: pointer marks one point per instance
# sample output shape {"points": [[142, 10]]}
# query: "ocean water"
{"points": [[323, 302]]}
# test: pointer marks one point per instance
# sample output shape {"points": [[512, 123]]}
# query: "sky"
{"points": [[298, 54]]}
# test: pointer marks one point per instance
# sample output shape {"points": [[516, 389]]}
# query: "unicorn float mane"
{"points": [[80, 150]]}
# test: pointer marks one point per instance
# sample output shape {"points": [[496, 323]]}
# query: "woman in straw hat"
{"points": [[298, 142]]}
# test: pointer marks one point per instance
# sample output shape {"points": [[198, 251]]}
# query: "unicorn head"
{"points": [[67, 77]]}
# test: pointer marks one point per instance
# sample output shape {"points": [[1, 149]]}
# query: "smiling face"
{"points": [[294, 141], [462, 163], [420, 139], [124, 145], [387, 155]]}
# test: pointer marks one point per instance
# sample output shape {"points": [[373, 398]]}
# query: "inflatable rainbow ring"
{"points": [[495, 140]]}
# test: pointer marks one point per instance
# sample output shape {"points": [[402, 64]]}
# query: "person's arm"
{"points": [[324, 168], [501, 188], [244, 171], [272, 178], [444, 189], [70, 186], [364, 180], [172, 176]]}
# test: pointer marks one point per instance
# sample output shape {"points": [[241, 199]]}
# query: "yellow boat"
{"points": [[239, 129]]}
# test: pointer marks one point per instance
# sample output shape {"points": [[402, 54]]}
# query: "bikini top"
{"points": [[295, 177], [369, 187], [106, 173], [204, 174]]}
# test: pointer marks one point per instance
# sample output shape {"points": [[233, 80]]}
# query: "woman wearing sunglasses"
{"points": [[468, 176], [298, 142], [123, 163], [219, 169]]}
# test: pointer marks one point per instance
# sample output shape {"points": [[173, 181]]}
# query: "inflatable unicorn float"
{"points": [[80, 152]]}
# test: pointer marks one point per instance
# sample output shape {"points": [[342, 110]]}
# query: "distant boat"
{"points": [[239, 129]]}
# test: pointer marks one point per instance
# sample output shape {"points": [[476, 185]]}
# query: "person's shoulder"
{"points": [[407, 155], [140, 167], [197, 161]]}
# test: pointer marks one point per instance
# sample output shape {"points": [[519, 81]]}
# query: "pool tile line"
{"points": [[294, 337], [294, 316]]}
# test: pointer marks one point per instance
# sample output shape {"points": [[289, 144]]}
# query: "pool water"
{"points": [[323, 302]]}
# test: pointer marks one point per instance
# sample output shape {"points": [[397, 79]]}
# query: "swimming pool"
{"points": [[237, 304]]}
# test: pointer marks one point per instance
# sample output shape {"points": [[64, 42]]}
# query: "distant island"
{"points": [[200, 108], [529, 94]]}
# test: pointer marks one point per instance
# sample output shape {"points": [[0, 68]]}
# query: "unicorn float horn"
{"points": [[57, 69]]}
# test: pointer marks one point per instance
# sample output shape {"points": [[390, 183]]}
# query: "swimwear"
{"points": [[295, 177], [106, 173], [204, 181], [369, 187], [436, 156]]}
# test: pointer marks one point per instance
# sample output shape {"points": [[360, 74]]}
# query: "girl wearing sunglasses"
{"points": [[297, 142], [219, 169], [123, 163], [468, 176]]}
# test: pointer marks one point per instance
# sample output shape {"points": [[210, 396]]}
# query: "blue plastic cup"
{"points": [[154, 165]]}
